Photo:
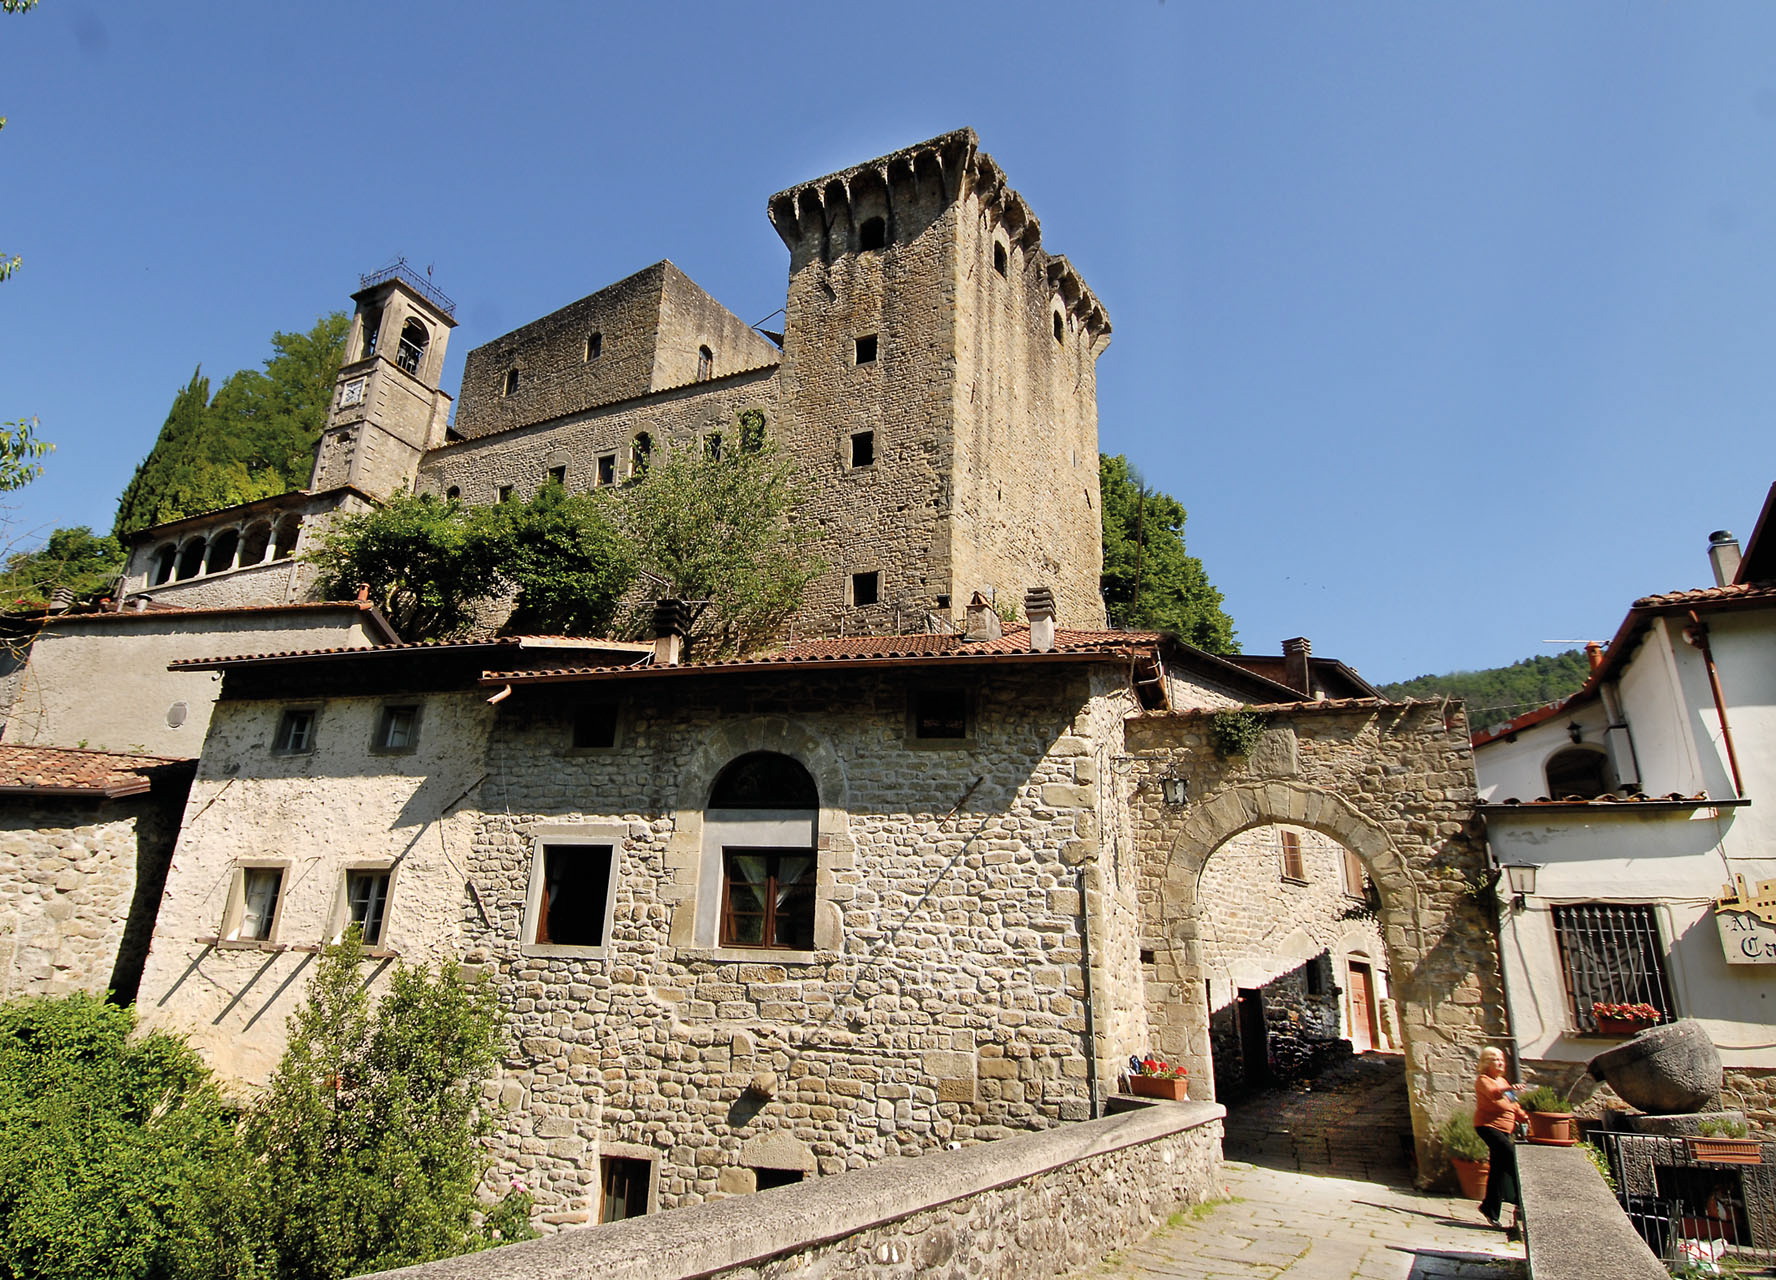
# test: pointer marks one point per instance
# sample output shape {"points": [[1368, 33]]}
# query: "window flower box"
{"points": [[1726, 1150], [1152, 1077], [1623, 1019]]}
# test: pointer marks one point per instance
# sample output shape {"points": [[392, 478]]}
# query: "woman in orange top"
{"points": [[1496, 1117]]}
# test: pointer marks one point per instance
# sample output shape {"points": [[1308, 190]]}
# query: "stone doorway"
{"points": [[1392, 784]]}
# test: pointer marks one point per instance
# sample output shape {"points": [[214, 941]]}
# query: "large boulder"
{"points": [[1665, 1070]]}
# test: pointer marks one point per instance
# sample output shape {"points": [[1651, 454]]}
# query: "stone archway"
{"points": [[1393, 784]]}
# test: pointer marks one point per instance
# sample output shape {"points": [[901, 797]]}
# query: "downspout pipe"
{"points": [[1697, 634], [1091, 1017]]}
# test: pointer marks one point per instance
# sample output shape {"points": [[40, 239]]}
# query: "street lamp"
{"points": [[1521, 876]]}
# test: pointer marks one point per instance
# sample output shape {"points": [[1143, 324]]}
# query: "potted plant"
{"points": [[1623, 1019], [1468, 1154], [1550, 1120], [1154, 1077], [1724, 1140]]}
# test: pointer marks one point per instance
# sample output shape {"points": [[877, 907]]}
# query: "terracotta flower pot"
{"points": [[1552, 1128], [1472, 1176], [1622, 1026], [1173, 1088]]}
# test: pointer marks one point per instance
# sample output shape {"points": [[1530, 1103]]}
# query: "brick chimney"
{"points": [[671, 621], [983, 622], [1039, 608], [1296, 674], [1723, 557]]}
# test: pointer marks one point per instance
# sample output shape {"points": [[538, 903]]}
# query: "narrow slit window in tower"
{"points": [[511, 382], [1060, 327], [1000, 258], [705, 364], [594, 346]]}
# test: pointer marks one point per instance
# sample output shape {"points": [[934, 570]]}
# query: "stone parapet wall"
{"points": [[1040, 1204]]}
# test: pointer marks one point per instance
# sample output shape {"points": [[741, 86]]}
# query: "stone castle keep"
{"points": [[935, 384], [917, 876]]}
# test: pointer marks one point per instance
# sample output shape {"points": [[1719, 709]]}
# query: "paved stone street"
{"points": [[1352, 1122], [1307, 1227]]}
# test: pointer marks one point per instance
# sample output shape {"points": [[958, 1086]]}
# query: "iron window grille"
{"points": [[1613, 955]]}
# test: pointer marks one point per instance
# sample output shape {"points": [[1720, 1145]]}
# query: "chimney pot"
{"points": [[1723, 557], [671, 621], [1039, 608], [1594, 654], [983, 622], [1297, 673]]}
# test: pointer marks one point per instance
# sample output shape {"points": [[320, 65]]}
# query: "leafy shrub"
{"points": [[1235, 733], [1460, 1138], [1544, 1100], [1723, 1127]]}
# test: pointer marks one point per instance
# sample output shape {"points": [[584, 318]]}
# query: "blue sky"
{"points": [[1450, 324]]}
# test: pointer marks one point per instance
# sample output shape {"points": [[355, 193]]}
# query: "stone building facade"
{"points": [[959, 844], [934, 386], [85, 841]]}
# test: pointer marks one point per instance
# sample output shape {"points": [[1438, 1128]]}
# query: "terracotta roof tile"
{"points": [[54, 770], [1710, 595], [417, 646]]}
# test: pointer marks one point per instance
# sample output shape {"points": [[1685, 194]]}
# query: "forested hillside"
{"points": [[1499, 693]]}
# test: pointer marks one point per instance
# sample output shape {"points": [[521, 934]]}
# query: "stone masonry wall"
{"points": [[314, 815], [943, 1001], [1392, 782], [78, 885], [1043, 1204]]}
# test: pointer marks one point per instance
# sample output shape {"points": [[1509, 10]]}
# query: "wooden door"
{"points": [[1364, 1031]]}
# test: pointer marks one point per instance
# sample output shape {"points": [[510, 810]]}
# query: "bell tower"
{"points": [[387, 407]]}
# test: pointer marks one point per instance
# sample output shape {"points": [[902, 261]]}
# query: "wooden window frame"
{"points": [[234, 914], [280, 742], [575, 840], [385, 721], [768, 927], [1294, 859]]}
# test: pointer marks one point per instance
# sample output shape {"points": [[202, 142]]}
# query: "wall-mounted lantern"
{"points": [[1176, 790], [1576, 731], [1521, 876]]}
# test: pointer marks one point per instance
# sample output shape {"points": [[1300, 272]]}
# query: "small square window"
{"points": [[765, 1179], [872, 233], [1060, 328], [866, 349], [1000, 258], [511, 382], [260, 890], [768, 898], [866, 588], [607, 468], [295, 733], [594, 346], [366, 900], [939, 715], [397, 729], [595, 727], [558, 475], [623, 1186], [863, 449], [505, 493], [571, 895]]}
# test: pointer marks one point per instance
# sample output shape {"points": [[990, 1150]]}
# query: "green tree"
{"points": [[718, 531], [76, 558], [429, 563], [568, 560], [1150, 581], [367, 1139], [118, 1155], [254, 440], [1496, 694]]}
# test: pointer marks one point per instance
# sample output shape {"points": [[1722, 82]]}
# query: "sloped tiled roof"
{"points": [[163, 612], [490, 646], [1747, 592], [65, 770]]}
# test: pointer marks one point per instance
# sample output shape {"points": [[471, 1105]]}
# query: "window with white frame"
{"points": [[397, 729], [258, 891], [366, 902], [572, 893], [295, 731]]}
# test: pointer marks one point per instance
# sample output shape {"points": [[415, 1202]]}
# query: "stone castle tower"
{"points": [[935, 384]]}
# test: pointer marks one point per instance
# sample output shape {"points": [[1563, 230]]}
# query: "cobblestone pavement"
{"points": [[1352, 1122], [1308, 1227]]}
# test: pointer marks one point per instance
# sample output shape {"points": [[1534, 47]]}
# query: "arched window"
{"points": [[1581, 772], [640, 452], [1060, 327], [413, 346], [256, 543], [222, 549], [705, 364], [512, 381], [453, 493], [594, 345], [287, 531], [873, 234], [372, 328], [764, 780], [164, 559], [191, 559]]}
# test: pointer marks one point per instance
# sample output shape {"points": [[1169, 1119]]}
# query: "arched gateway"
{"points": [[1394, 784]]}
